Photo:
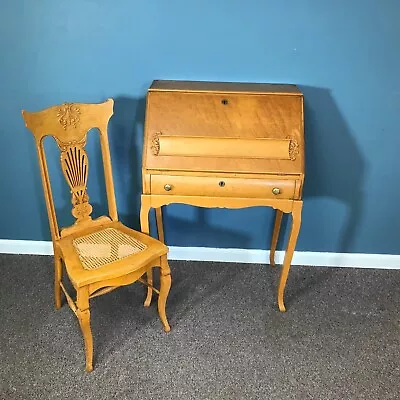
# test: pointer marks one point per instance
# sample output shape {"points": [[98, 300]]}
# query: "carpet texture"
{"points": [[339, 338]]}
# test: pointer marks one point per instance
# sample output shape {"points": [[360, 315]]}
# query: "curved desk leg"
{"points": [[275, 236], [294, 232], [145, 227], [160, 228]]}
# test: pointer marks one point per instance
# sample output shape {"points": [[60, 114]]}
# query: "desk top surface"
{"points": [[225, 87]]}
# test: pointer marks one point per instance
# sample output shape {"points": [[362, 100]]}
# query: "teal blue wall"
{"points": [[344, 54]]}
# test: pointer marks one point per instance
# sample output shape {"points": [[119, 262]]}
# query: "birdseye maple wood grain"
{"points": [[222, 144]]}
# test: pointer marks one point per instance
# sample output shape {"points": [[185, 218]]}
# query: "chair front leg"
{"points": [[83, 314], [165, 286]]}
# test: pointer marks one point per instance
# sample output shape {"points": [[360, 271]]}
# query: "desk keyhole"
{"points": [[221, 184], [224, 102]]}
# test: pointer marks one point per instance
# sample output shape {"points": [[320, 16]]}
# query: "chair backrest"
{"points": [[69, 124]]}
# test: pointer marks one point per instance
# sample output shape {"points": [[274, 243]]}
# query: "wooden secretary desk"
{"points": [[232, 145]]}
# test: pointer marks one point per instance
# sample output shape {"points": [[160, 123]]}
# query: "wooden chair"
{"points": [[99, 254]]}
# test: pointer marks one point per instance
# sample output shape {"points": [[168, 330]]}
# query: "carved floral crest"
{"points": [[68, 115]]}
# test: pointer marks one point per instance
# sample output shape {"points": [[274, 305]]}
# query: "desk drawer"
{"points": [[222, 186]]}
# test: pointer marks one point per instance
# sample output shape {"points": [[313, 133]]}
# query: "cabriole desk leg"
{"points": [[160, 228], [294, 232], [275, 237], [145, 227]]}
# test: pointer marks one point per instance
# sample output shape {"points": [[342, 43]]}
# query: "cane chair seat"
{"points": [[106, 252], [104, 247]]}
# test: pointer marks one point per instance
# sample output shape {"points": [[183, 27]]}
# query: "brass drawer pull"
{"points": [[276, 191], [167, 187], [221, 184]]}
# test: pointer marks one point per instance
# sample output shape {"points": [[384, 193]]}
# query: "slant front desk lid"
{"points": [[224, 127]]}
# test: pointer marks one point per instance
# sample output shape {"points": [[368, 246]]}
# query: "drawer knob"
{"points": [[167, 187], [222, 183], [276, 191]]}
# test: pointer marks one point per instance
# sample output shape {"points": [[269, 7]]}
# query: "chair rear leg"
{"points": [[149, 296], [57, 280], [165, 286], [145, 227]]}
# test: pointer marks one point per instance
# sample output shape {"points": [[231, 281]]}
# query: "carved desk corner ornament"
{"points": [[155, 144], [293, 148]]}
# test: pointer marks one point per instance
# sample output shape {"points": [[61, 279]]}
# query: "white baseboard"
{"points": [[323, 259], [26, 247]]}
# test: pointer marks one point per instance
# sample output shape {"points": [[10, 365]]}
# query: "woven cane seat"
{"points": [[105, 247]]}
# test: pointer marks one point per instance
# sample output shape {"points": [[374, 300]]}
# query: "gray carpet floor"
{"points": [[339, 338]]}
